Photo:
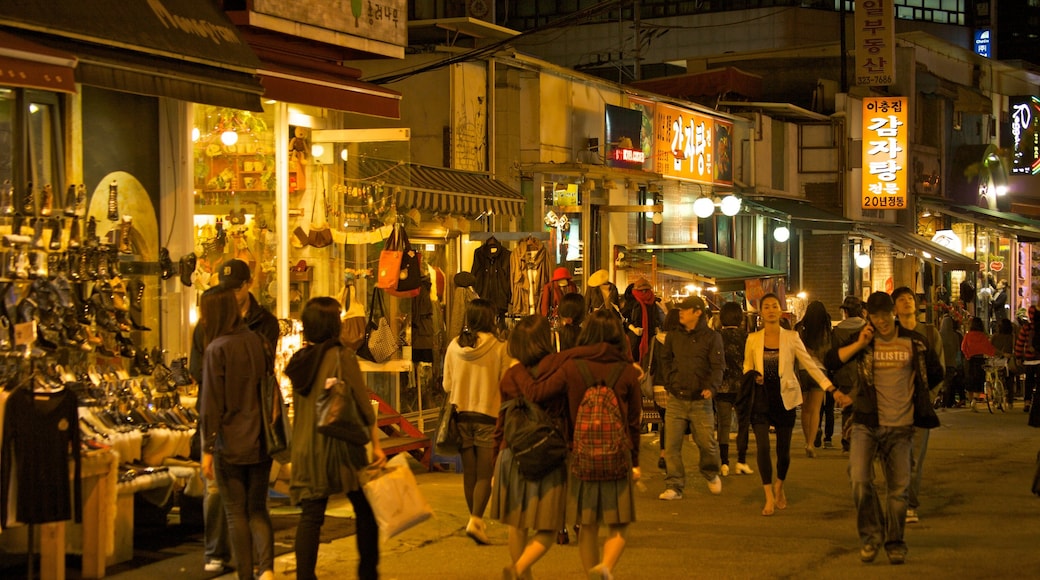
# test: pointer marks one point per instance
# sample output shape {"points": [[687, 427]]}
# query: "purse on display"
{"points": [[410, 272], [390, 261], [320, 235], [379, 344]]}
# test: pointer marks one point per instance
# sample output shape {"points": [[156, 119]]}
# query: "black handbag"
{"points": [[410, 276], [380, 343], [276, 427], [448, 438], [338, 414]]}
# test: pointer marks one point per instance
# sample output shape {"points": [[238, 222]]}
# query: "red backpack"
{"points": [[602, 448]]}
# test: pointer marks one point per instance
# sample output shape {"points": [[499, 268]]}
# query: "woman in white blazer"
{"points": [[771, 354]]}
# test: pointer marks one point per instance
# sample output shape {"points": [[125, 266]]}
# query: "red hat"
{"points": [[561, 273]]}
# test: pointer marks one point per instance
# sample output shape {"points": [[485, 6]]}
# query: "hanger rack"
{"points": [[508, 236]]}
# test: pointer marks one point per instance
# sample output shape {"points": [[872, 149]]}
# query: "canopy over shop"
{"points": [[800, 215], [916, 246], [1027, 230]]}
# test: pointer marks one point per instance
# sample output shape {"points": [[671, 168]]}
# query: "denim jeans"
{"points": [[214, 524], [308, 535], [244, 490], [700, 416], [891, 446], [917, 452]]}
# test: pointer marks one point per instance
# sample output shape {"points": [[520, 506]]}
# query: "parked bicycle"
{"points": [[994, 393]]}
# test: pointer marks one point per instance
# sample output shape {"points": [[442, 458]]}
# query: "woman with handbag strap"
{"points": [[473, 367], [233, 449], [322, 466]]}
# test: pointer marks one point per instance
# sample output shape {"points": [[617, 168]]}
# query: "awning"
{"points": [[917, 246], [321, 89], [437, 189], [724, 272], [1026, 229], [800, 214], [30, 65], [181, 49]]}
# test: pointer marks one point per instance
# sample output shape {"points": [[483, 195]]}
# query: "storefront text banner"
{"points": [[884, 153], [685, 145]]}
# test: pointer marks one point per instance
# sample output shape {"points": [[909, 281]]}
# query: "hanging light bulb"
{"points": [[195, 134], [731, 205], [703, 207], [229, 138], [863, 261], [781, 234]]}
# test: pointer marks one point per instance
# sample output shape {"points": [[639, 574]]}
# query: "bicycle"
{"points": [[994, 391]]}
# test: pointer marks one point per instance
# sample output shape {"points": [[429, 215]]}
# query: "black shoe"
{"points": [[662, 464], [187, 268]]}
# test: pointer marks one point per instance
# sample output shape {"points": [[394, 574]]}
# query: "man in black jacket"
{"points": [[693, 364], [894, 368]]}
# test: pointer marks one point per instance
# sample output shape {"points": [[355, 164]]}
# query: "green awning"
{"points": [[1027, 230], [800, 214], [722, 271]]}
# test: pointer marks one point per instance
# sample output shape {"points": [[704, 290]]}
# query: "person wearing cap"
{"points": [[1029, 355], [852, 322], [602, 293], [553, 291], [894, 369], [233, 275], [644, 318], [771, 356], [693, 363]]}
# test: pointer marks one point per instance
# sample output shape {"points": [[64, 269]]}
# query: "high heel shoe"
{"points": [[47, 200], [56, 230]]}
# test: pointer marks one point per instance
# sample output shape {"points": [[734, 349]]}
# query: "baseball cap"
{"points": [[880, 302], [234, 273], [692, 303], [852, 305]]}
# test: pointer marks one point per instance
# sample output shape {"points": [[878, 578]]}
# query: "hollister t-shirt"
{"points": [[893, 381]]}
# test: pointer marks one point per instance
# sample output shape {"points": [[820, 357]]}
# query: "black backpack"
{"points": [[538, 446]]}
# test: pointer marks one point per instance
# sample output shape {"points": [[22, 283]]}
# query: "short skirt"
{"points": [[600, 502], [533, 505]]}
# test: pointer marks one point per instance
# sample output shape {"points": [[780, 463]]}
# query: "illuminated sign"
{"points": [[875, 43], [884, 153], [629, 156], [1025, 135], [684, 144], [982, 43], [624, 128]]}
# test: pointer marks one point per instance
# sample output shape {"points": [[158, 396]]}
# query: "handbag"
{"points": [[390, 261], [379, 344], [320, 235], [409, 277], [646, 382], [394, 496], [448, 438], [275, 419], [338, 413]]}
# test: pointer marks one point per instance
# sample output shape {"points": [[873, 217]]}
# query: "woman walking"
{"points": [[815, 332], [734, 338], [516, 501], [323, 466], [770, 355], [976, 347], [233, 448], [473, 368]]}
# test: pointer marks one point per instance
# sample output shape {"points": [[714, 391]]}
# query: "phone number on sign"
{"points": [[883, 201]]}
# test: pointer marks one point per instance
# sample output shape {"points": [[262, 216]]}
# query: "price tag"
{"points": [[25, 333]]}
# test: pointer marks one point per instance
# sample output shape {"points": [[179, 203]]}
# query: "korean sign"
{"points": [[875, 43], [1025, 135], [686, 145], [884, 153]]}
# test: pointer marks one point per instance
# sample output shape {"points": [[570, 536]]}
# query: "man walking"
{"points": [[844, 332], [693, 364], [894, 369]]}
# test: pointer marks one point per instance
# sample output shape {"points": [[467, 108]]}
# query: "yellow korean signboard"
{"points": [[875, 34], [684, 144], [885, 144]]}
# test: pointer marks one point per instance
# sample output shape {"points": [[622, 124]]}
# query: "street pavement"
{"points": [[978, 520]]}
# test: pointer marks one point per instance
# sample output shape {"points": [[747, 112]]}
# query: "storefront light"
{"points": [[781, 234], [229, 138], [863, 261], [703, 207], [195, 134], [658, 218], [731, 205]]}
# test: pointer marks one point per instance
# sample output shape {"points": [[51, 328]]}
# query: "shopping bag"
{"points": [[395, 498], [448, 438], [338, 413]]}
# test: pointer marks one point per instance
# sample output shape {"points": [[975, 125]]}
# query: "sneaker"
{"points": [[214, 566], [724, 470], [868, 552], [827, 444], [670, 494], [912, 517], [896, 557], [715, 485], [744, 469]]}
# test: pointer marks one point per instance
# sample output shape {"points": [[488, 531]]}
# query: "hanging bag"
{"points": [[320, 235], [275, 424], [338, 413], [379, 344], [390, 261], [409, 275]]}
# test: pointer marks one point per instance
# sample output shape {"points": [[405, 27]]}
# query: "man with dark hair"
{"points": [[235, 275], [894, 368]]}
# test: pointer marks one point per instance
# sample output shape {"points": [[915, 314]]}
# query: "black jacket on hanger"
{"points": [[491, 269]]}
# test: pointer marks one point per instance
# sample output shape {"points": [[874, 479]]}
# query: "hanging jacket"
{"points": [[491, 269], [529, 255]]}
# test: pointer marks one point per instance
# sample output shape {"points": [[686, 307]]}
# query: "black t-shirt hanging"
{"points": [[41, 434]]}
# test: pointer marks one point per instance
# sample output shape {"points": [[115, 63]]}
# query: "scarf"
{"points": [[303, 366], [645, 297]]}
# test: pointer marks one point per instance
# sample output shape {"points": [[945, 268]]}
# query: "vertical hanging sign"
{"points": [[875, 25], [884, 153]]}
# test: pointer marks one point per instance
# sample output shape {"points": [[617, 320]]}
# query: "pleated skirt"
{"points": [[600, 502], [521, 503]]}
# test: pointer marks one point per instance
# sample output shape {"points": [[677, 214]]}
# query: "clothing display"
{"points": [[529, 269], [491, 263]]}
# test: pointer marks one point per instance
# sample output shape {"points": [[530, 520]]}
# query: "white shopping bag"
{"points": [[395, 498]]}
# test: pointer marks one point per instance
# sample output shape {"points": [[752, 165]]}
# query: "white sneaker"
{"points": [[670, 494], [715, 485], [214, 566], [724, 470], [744, 468], [912, 517]]}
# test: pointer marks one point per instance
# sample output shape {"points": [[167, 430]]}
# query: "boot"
{"points": [[135, 291], [56, 231], [125, 225], [724, 453], [70, 201], [6, 198], [166, 268], [181, 375], [92, 239], [81, 200], [74, 234], [37, 239], [28, 203], [47, 200], [113, 201]]}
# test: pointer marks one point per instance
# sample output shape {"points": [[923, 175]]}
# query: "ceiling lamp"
{"points": [[863, 261], [781, 234], [229, 138], [703, 207], [731, 205]]}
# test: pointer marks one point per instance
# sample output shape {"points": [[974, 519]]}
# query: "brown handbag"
{"points": [[320, 235]]}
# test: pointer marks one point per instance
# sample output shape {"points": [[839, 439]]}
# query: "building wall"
{"points": [[821, 279], [468, 112]]}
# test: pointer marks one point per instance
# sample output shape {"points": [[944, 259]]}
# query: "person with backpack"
{"points": [[694, 363], [529, 502], [770, 359], [474, 365]]}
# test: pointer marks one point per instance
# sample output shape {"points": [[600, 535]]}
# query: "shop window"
{"points": [[44, 139], [7, 108]]}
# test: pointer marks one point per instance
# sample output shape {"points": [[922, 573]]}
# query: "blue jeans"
{"points": [[891, 445], [699, 415], [214, 524], [244, 491], [917, 453]]}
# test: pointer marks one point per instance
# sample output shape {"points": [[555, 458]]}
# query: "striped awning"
{"points": [[437, 189]]}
